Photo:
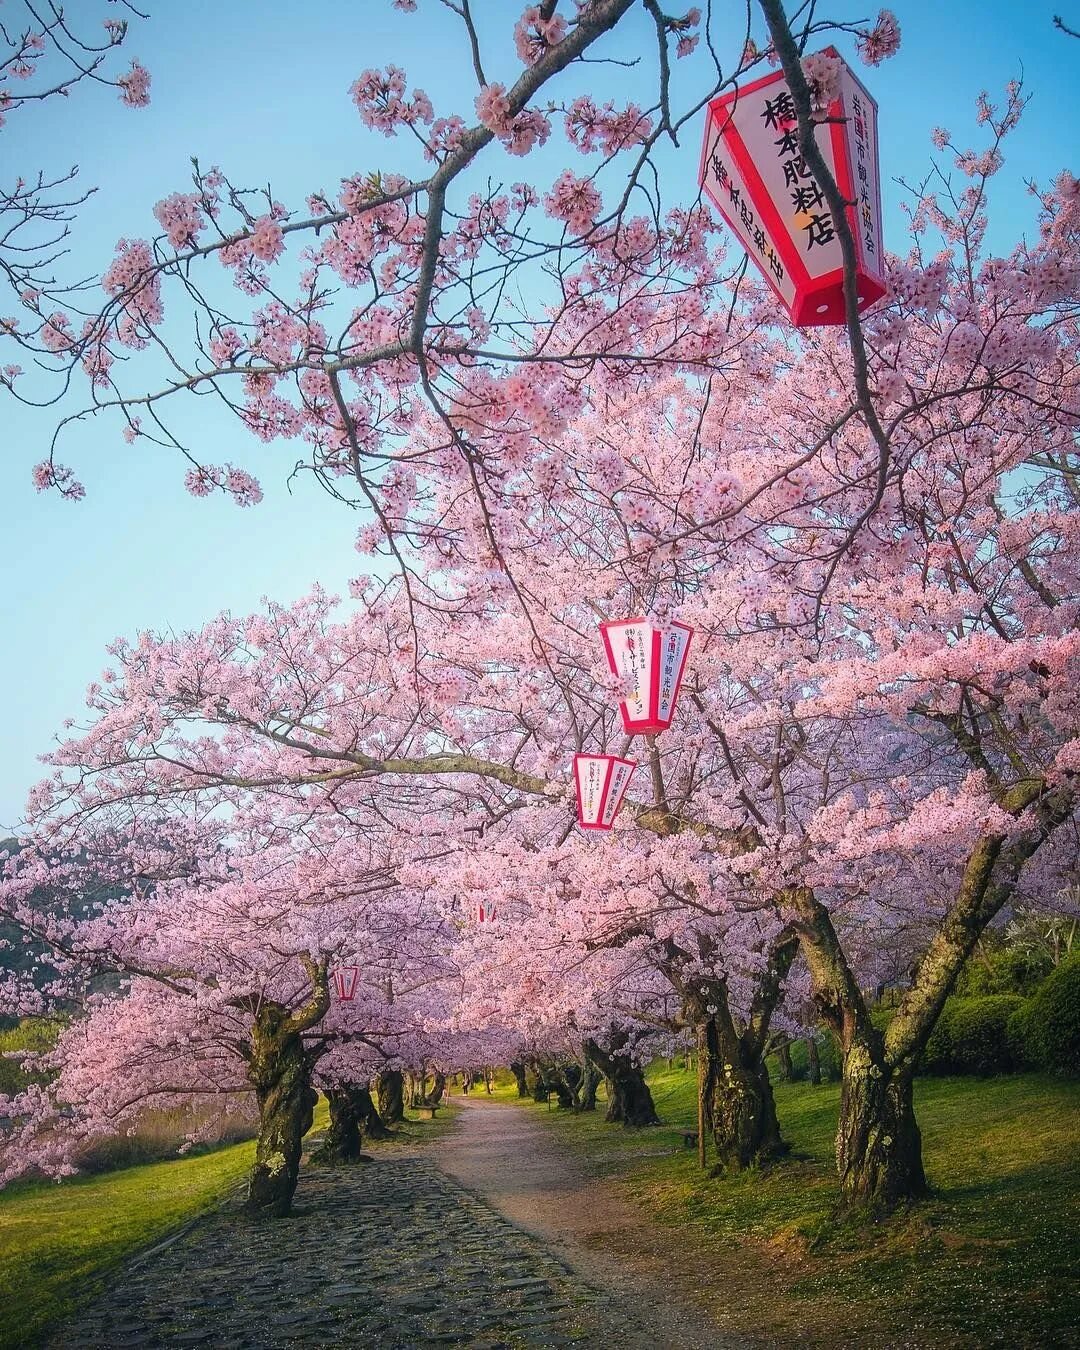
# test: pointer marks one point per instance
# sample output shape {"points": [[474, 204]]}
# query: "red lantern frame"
{"points": [[601, 782], [662, 668], [346, 981], [850, 141], [485, 913]]}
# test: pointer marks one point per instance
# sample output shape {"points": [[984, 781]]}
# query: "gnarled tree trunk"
{"points": [[279, 1069], [390, 1092], [735, 1095], [518, 1070], [590, 1081], [630, 1102], [371, 1123], [345, 1134], [878, 1143]]}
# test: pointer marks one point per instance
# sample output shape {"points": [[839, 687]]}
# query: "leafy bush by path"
{"points": [[1049, 1025]]}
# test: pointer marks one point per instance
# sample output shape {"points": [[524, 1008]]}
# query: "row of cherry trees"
{"points": [[873, 532]]}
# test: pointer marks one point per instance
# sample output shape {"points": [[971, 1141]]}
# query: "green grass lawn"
{"points": [[990, 1260], [57, 1242]]}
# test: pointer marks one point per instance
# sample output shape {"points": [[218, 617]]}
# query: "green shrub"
{"points": [[978, 1036], [1011, 970], [1050, 1025], [937, 1054]]}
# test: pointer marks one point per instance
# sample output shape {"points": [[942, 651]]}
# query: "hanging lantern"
{"points": [[485, 913], [654, 662], [346, 978], [601, 781], [752, 171]]}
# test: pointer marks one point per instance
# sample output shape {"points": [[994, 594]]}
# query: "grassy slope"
{"points": [[990, 1260], [57, 1243]]}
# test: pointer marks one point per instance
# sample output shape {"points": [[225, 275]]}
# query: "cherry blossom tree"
{"points": [[226, 950], [398, 291], [871, 530], [45, 53]]}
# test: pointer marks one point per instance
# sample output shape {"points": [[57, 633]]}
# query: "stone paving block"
{"points": [[393, 1254]]}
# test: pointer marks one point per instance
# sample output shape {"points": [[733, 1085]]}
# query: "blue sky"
{"points": [[253, 86]]}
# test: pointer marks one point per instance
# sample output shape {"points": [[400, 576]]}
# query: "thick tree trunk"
{"points": [[280, 1072], [438, 1089], [390, 1092], [371, 1123], [813, 1061], [878, 1144], [518, 1070], [345, 1135], [630, 1102], [537, 1083], [734, 1092], [745, 1128], [590, 1081], [783, 1056]]}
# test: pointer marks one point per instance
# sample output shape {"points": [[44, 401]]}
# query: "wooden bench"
{"points": [[425, 1112], [689, 1138]]}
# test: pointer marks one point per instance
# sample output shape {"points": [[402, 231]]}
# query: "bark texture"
{"points": [[390, 1092], [345, 1134], [279, 1069], [630, 1102]]}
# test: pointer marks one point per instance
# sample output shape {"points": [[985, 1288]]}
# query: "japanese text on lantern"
{"points": [[804, 190], [725, 185], [620, 778], [754, 171], [635, 665], [675, 641]]}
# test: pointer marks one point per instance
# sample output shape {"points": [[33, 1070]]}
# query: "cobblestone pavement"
{"points": [[391, 1253]]}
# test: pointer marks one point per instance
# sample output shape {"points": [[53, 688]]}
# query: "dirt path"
{"points": [[507, 1157]]}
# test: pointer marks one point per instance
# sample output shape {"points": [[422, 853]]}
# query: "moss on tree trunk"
{"points": [[878, 1143], [390, 1092], [279, 1069]]}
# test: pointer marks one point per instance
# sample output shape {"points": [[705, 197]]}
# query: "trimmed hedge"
{"points": [[1047, 1027], [972, 1036], [1012, 970], [976, 1031]]}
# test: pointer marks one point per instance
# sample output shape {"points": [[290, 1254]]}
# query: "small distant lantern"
{"points": [[654, 661], [346, 979], [485, 914], [753, 172], [601, 781]]}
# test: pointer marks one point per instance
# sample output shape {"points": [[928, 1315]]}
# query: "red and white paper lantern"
{"points": [[485, 913], [753, 172], [601, 781], [346, 979], [653, 660]]}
